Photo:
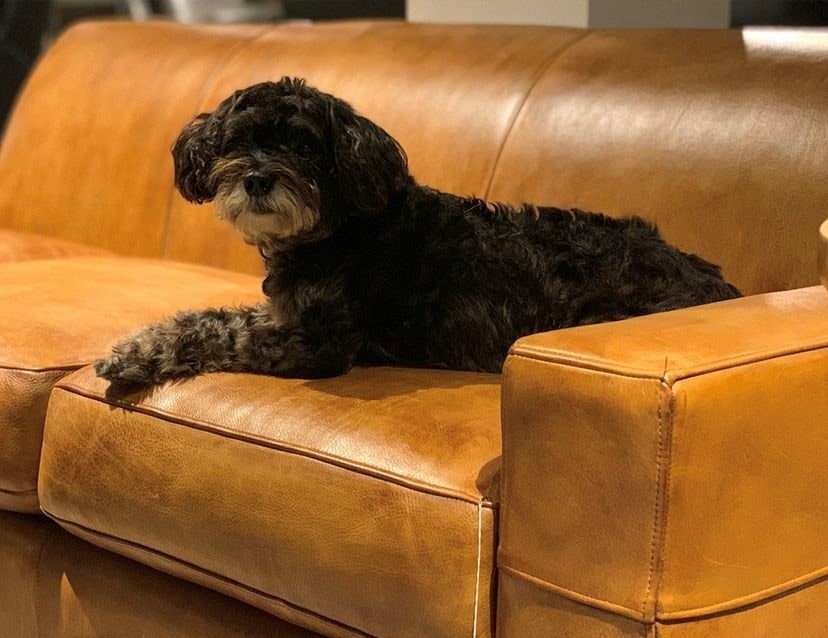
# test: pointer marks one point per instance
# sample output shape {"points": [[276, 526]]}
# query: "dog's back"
{"points": [[470, 277], [611, 268]]}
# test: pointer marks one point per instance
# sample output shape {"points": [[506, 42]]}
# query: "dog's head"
{"points": [[285, 161]]}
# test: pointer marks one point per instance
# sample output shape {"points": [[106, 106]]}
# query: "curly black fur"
{"points": [[365, 266]]}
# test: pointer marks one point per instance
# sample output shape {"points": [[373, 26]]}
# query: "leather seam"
{"points": [[150, 550], [662, 462], [728, 607], [543, 67], [479, 567], [575, 596], [574, 360], [668, 446], [69, 367], [656, 505], [209, 84], [286, 448], [748, 601], [18, 492]]}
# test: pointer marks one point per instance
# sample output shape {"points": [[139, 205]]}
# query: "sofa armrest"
{"points": [[665, 468]]}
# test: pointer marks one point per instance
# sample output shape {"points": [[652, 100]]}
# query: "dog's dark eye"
{"points": [[304, 149], [305, 146]]}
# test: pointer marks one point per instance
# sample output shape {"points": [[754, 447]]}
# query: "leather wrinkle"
{"points": [[342, 463], [543, 67], [93, 532], [209, 84]]}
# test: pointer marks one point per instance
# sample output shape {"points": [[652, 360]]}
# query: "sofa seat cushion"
{"points": [[362, 505], [62, 314], [21, 246]]}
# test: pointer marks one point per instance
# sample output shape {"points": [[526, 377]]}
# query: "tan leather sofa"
{"points": [[663, 476]]}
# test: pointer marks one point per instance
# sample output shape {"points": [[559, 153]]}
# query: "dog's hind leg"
{"points": [[233, 339]]}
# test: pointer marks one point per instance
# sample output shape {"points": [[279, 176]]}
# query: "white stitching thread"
{"points": [[479, 566]]}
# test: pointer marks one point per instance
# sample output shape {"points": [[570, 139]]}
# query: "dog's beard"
{"points": [[289, 209], [279, 215]]}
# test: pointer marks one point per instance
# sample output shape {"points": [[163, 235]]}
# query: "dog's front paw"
{"points": [[155, 354], [129, 365]]}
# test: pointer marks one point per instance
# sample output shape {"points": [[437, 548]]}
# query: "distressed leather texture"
{"points": [[342, 504], [61, 314], [660, 476], [686, 449]]}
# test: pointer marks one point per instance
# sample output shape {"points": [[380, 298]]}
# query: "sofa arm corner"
{"points": [[655, 468]]}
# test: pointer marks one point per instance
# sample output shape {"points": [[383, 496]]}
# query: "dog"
{"points": [[364, 266]]}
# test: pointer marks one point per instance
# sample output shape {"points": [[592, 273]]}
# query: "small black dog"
{"points": [[365, 266]]}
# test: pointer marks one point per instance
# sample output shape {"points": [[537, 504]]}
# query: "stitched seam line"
{"points": [[541, 71], [749, 601], [600, 365], [571, 594], [668, 478], [654, 533], [69, 367], [345, 464], [18, 492], [479, 567], [728, 607], [206, 572], [665, 413]]}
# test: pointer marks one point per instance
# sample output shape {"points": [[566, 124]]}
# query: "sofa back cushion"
{"points": [[714, 135], [448, 94], [718, 136], [85, 156]]}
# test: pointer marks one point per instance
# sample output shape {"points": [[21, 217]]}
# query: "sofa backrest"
{"points": [[717, 136]]}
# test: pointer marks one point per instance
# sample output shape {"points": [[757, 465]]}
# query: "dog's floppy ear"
{"points": [[197, 147], [370, 165]]}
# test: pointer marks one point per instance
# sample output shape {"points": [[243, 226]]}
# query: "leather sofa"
{"points": [[661, 476]]}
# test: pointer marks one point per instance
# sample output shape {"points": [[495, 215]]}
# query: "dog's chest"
{"points": [[284, 296], [281, 309], [296, 282]]}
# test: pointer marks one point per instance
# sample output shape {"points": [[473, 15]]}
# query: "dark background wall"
{"points": [[782, 12], [22, 23]]}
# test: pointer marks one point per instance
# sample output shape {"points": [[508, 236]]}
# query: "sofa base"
{"points": [[530, 612]]}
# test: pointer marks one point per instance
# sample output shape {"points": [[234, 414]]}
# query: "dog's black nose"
{"points": [[258, 185]]}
